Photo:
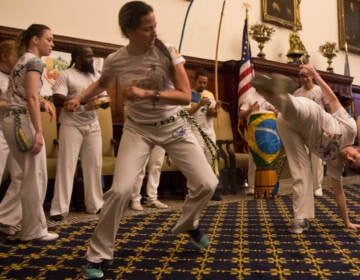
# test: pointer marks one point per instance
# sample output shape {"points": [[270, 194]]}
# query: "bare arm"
{"points": [[195, 107], [32, 97], [341, 203], [252, 108], [181, 95], [92, 90], [333, 103]]}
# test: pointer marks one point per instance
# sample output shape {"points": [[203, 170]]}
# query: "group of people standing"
{"points": [[156, 117]]}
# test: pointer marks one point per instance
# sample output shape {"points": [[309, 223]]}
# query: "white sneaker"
{"points": [[318, 192], [50, 236], [250, 190], [136, 205], [299, 226], [8, 230], [157, 204]]}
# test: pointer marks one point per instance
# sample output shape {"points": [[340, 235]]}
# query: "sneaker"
{"points": [[199, 239], [299, 226], [50, 236], [318, 192], [93, 271], [136, 205], [56, 218], [250, 190], [157, 204], [8, 230]]}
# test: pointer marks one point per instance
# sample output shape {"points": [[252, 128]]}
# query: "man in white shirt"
{"points": [[204, 109], [79, 137], [312, 91]]}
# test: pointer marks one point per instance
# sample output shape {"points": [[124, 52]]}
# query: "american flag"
{"points": [[246, 74]]}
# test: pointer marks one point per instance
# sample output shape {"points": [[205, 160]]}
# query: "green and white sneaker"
{"points": [[93, 271], [199, 239]]}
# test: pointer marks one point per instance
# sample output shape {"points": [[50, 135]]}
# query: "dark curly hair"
{"points": [[129, 18]]}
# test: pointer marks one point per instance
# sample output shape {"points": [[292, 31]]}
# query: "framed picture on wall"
{"points": [[285, 13], [349, 24]]}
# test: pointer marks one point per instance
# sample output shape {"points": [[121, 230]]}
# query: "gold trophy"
{"points": [[297, 53], [329, 51], [261, 33]]}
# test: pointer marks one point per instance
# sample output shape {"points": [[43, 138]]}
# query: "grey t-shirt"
{"points": [[147, 71]]}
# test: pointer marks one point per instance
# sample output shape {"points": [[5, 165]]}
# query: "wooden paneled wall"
{"points": [[227, 78]]}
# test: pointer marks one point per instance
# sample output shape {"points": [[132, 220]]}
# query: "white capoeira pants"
{"points": [[153, 166], [317, 170], [10, 206], [76, 142], [294, 114], [33, 182], [300, 169], [136, 143]]}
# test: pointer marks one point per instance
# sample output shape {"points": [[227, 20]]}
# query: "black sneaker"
{"points": [[56, 218], [199, 239]]}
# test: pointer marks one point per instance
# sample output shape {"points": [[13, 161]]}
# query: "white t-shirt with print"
{"points": [[326, 134], [16, 95], [149, 71]]}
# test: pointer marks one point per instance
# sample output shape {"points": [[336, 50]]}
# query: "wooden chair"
{"points": [[234, 164], [51, 142], [109, 144]]}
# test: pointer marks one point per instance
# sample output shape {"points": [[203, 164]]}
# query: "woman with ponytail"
{"points": [[23, 131], [155, 85]]}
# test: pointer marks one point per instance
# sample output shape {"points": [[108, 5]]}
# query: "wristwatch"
{"points": [[156, 96]]}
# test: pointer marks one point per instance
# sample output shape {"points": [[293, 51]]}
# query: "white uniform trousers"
{"points": [[33, 182], [10, 206], [135, 146], [290, 123], [153, 166], [300, 169], [317, 170], [203, 147], [76, 142]]}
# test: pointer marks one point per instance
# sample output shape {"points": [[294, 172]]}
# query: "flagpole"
{"points": [[347, 73], [244, 71], [183, 28], [216, 53]]}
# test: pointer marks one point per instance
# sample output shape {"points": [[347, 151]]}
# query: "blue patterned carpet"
{"points": [[249, 240]]}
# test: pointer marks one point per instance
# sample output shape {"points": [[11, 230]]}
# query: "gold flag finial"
{"points": [[247, 6]]}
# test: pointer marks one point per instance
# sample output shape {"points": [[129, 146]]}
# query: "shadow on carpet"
{"points": [[249, 240]]}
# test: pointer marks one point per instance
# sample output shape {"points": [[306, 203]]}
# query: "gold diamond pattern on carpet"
{"points": [[249, 240]]}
